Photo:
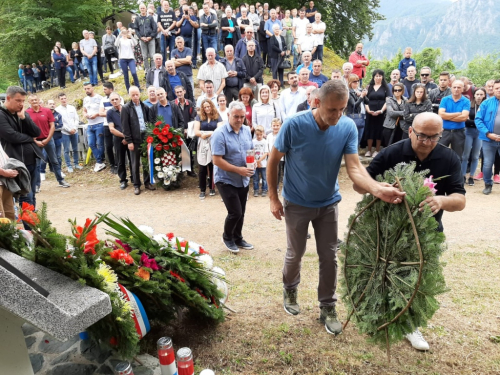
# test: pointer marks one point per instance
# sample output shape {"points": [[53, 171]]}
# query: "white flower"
{"points": [[169, 173], [166, 182], [165, 169], [219, 270], [148, 231], [157, 161], [161, 175], [221, 284], [206, 260], [178, 169], [174, 177], [161, 239], [158, 168]]}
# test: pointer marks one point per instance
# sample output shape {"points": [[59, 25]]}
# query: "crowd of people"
{"points": [[238, 111]]}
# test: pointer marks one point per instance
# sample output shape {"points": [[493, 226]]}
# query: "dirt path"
{"points": [[261, 338]]}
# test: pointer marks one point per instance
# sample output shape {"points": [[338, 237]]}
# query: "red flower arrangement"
{"points": [[86, 237], [28, 215], [120, 254]]}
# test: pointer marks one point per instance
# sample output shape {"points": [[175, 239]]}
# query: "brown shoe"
{"points": [[137, 191], [150, 187]]}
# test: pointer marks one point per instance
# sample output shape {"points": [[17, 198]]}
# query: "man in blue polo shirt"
{"points": [[454, 110], [313, 143], [230, 143]]}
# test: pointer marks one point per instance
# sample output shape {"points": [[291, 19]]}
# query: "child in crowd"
{"points": [[406, 62], [271, 137], [260, 146]]}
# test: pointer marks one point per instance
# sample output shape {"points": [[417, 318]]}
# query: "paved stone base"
{"points": [[76, 357]]}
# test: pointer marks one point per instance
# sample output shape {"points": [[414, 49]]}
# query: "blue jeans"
{"points": [[262, 173], [490, 149], [209, 41], [472, 148], [91, 66], [71, 72], [72, 139], [30, 84], [95, 135], [167, 42], [79, 68], [198, 34], [51, 151], [318, 55], [125, 64]]}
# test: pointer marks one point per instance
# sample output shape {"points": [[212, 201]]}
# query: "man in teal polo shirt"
{"points": [[313, 143], [454, 110]]}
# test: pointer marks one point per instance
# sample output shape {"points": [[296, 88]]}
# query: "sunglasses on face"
{"points": [[398, 90], [424, 75]]}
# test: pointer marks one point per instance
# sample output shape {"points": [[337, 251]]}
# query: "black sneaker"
{"points": [[231, 246], [212, 192], [328, 316], [487, 189], [123, 185], [242, 244], [290, 301], [470, 182], [64, 184], [202, 195]]}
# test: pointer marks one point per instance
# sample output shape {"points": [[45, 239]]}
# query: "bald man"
{"points": [[423, 147], [359, 63]]}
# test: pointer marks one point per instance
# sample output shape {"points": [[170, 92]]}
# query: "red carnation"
{"points": [[174, 144], [156, 131], [158, 147], [180, 142], [178, 137], [150, 139], [166, 147], [170, 236], [170, 135], [158, 123], [167, 126], [164, 131]]}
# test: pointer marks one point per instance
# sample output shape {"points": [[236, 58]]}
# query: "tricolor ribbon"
{"points": [[151, 162], [138, 313]]}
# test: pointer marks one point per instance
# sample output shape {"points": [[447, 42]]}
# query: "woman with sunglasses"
{"points": [[394, 121], [418, 103]]}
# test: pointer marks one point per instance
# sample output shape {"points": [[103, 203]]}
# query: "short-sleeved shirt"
{"points": [[442, 161], [166, 18], [42, 119], [269, 26], [313, 158], [319, 79], [214, 73], [312, 18], [261, 147], [92, 104], [300, 26], [453, 106], [107, 106], [87, 45], [186, 27], [320, 38], [186, 68], [308, 42], [174, 82], [208, 125], [233, 149], [113, 117]]}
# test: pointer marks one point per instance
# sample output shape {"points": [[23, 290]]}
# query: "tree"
{"points": [[30, 28], [483, 68]]}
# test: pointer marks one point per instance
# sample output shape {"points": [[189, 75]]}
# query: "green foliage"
{"points": [[430, 57], [483, 68], [31, 28], [381, 260]]}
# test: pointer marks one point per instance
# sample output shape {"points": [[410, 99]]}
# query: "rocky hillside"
{"points": [[461, 28]]}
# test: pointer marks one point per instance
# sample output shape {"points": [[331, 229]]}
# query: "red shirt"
{"points": [[309, 83], [358, 69], [42, 119]]}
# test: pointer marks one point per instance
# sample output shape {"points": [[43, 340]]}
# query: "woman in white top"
{"points": [[223, 110], [264, 111], [125, 44]]}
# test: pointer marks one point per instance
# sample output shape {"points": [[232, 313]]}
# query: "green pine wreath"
{"points": [[391, 261]]}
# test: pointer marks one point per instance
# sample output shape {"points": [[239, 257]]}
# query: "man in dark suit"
{"points": [[306, 104], [134, 117]]}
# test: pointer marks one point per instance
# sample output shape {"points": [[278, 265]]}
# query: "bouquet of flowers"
{"points": [[163, 154], [145, 275]]}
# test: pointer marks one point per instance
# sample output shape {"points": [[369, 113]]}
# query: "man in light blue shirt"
{"points": [[273, 20], [313, 143], [230, 143]]}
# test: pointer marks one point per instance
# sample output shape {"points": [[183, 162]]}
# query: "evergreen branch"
{"points": [[415, 233], [403, 263]]}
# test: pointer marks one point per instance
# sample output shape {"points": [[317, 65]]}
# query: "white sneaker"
{"points": [[417, 340], [368, 154], [42, 176], [375, 153], [99, 167]]}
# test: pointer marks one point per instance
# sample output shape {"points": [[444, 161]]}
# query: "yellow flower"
{"points": [[110, 277]]}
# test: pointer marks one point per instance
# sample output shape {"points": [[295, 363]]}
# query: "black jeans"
{"points": [[456, 139], [205, 171], [235, 199], [121, 158], [108, 146], [108, 59], [61, 76]]}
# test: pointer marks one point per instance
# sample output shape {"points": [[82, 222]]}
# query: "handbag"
{"points": [[285, 63], [111, 50]]}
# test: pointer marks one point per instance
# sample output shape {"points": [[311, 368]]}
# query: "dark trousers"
{"points": [[121, 158], [135, 158], [235, 199], [456, 139], [61, 77], [99, 68], [30, 197], [108, 59], [276, 71], [108, 146], [205, 171], [231, 93]]}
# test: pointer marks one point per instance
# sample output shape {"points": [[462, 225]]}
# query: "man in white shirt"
{"points": [[290, 98], [95, 127], [213, 71], [318, 30], [307, 42], [69, 131]]}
